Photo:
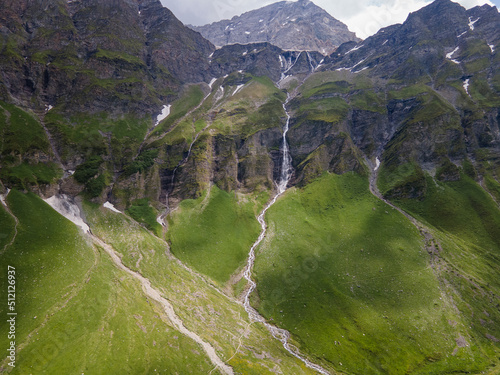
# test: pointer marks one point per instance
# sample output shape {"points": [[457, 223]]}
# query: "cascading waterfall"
{"points": [[286, 164], [278, 333]]}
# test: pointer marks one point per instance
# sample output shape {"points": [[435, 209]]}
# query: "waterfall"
{"points": [[286, 164], [278, 333]]}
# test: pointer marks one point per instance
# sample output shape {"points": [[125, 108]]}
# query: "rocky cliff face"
{"points": [[97, 55], [295, 26], [424, 93]]}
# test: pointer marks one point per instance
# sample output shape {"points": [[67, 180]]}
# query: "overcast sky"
{"points": [[364, 17]]}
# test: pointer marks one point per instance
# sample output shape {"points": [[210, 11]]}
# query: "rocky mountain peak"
{"points": [[290, 25]]}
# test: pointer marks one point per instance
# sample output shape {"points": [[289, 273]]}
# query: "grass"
{"points": [[77, 313], [348, 276], [331, 110], [203, 309], [142, 212], [188, 101], [26, 174], [20, 131], [87, 135], [214, 233], [462, 209], [368, 101], [7, 228], [467, 222]]}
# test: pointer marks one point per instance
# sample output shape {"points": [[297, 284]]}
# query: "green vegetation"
{"points": [[214, 233], [6, 228], [261, 107], [349, 277], [26, 174], [98, 134], [143, 213], [119, 57], [407, 175], [462, 209], [22, 137], [86, 173], [144, 161], [248, 348], [467, 223], [61, 282], [331, 110], [21, 133], [188, 101], [87, 170], [95, 186], [369, 101]]}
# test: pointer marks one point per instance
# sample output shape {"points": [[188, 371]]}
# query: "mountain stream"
{"points": [[278, 333]]}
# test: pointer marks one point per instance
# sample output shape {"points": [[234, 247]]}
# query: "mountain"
{"points": [[290, 25], [170, 207], [90, 52]]}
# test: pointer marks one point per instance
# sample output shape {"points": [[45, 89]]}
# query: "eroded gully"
{"points": [[278, 333]]}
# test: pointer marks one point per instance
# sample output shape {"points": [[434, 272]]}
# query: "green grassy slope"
{"points": [[467, 223], [351, 280], [214, 233], [76, 312], [248, 348]]}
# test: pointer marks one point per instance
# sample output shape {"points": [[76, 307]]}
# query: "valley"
{"points": [[247, 208]]}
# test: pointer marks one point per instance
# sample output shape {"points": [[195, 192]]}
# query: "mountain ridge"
{"points": [[298, 26], [381, 256]]}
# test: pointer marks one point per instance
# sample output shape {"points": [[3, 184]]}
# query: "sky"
{"points": [[364, 17]]}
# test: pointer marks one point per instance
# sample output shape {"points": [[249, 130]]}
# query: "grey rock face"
{"points": [[297, 26]]}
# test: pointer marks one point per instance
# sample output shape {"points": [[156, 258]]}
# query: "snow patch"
{"points": [[492, 47], [357, 71], [3, 196], [48, 108], [461, 35], [245, 53], [247, 32], [164, 114], [471, 23], [68, 208], [466, 86], [212, 82], [282, 61], [160, 221], [450, 55], [354, 49], [357, 64], [377, 164], [261, 20], [385, 42], [111, 207], [219, 94], [238, 88]]}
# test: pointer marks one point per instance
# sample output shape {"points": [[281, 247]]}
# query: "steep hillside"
{"points": [[291, 25], [250, 209]]}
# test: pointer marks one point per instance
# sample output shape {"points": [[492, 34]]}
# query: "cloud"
{"points": [[364, 17]]}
